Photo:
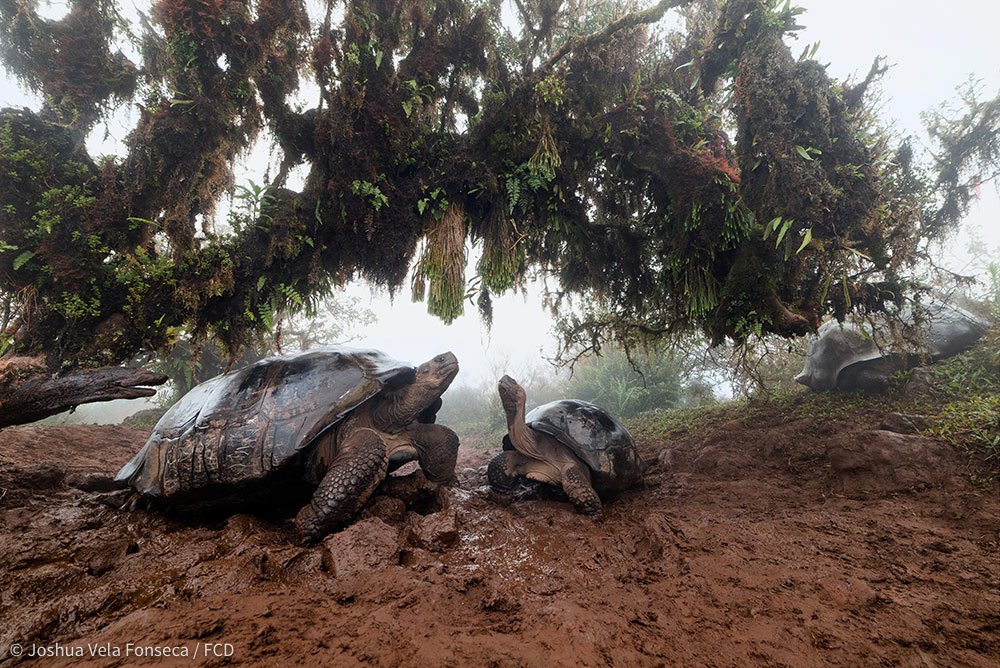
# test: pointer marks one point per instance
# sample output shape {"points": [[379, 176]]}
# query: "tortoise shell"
{"points": [[240, 427], [593, 435]]}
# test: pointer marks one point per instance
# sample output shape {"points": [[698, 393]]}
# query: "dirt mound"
{"points": [[758, 542]]}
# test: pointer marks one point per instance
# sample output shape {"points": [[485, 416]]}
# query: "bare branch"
{"points": [[650, 15], [40, 395]]}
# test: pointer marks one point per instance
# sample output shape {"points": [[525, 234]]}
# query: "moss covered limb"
{"points": [[581, 145]]}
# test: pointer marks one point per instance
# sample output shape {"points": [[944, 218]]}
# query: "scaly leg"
{"points": [[437, 450], [576, 484], [356, 470], [502, 475]]}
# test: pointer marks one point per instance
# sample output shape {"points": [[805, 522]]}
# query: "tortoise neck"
{"points": [[520, 433], [399, 408], [515, 415]]}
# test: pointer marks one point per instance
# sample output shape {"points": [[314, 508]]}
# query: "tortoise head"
{"points": [[435, 375], [431, 379], [512, 395]]}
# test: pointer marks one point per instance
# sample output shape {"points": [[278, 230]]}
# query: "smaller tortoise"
{"points": [[332, 422], [571, 444]]}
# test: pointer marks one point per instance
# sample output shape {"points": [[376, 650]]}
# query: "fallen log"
{"points": [[27, 393]]}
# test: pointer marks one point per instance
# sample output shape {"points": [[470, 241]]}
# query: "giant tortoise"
{"points": [[842, 357], [333, 420], [570, 444]]}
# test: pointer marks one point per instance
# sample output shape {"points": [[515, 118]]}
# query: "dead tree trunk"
{"points": [[28, 393]]}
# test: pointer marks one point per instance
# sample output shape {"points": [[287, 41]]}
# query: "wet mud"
{"points": [[758, 542]]}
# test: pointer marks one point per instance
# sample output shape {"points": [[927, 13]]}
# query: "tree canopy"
{"points": [[700, 178]]}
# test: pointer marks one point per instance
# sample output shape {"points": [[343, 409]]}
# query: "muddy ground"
{"points": [[755, 542]]}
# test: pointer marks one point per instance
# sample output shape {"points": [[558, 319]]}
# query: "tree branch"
{"points": [[650, 15], [39, 395]]}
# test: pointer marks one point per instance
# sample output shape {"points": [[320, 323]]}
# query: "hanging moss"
{"points": [[585, 147], [501, 262], [442, 264]]}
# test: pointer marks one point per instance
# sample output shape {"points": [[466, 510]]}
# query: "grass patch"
{"points": [[961, 404], [973, 424], [967, 393], [779, 407], [975, 372], [666, 423]]}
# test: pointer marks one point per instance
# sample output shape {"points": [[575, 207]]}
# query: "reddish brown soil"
{"points": [[804, 544]]}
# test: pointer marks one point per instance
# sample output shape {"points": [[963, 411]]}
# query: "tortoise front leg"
{"points": [[437, 450], [503, 474], [576, 483], [357, 469]]}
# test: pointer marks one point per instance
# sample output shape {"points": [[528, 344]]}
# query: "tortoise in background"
{"points": [[569, 443], [336, 420], [842, 357]]}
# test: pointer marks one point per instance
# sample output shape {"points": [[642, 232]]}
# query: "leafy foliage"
{"points": [[627, 387], [643, 170]]}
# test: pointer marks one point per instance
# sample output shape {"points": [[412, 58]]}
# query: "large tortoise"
{"points": [[335, 420], [569, 443], [842, 357]]}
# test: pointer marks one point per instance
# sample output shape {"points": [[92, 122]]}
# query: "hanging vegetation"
{"points": [[696, 179]]}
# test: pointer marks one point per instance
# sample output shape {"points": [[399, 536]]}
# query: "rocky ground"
{"points": [[767, 539]]}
